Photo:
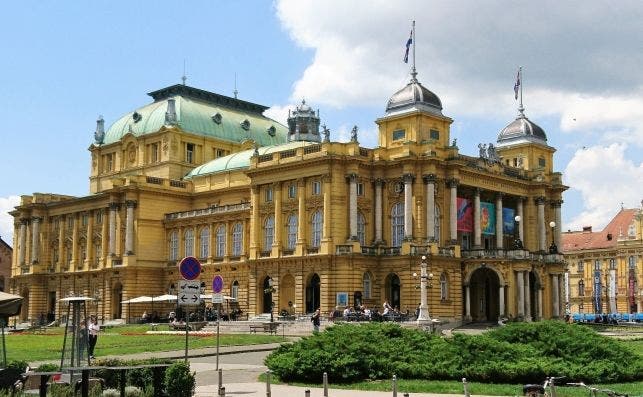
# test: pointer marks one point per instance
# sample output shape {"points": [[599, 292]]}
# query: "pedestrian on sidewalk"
{"points": [[316, 319], [93, 329]]}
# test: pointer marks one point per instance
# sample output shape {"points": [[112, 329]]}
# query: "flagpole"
{"points": [[521, 108], [413, 71]]}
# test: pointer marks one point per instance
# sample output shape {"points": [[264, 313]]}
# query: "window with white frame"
{"points": [[444, 287], [316, 229], [189, 153], [631, 262], [268, 232], [234, 291], [397, 224], [316, 188], [292, 191], [220, 241], [188, 239], [597, 264], [612, 264], [237, 239], [268, 194], [292, 231], [361, 228], [174, 245], [204, 243], [360, 189], [366, 285]]}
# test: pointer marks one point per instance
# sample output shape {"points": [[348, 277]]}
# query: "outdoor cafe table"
{"points": [[157, 381], [84, 383], [44, 377]]}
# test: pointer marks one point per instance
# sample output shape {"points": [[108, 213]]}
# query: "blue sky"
{"points": [[65, 63]]}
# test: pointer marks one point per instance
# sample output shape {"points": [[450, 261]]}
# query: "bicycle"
{"points": [[547, 389], [593, 390]]}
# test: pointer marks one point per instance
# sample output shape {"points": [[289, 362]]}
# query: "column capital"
{"points": [[540, 200], [429, 178], [452, 182], [352, 177], [477, 191], [499, 195], [325, 178], [114, 206], [24, 221], [556, 203], [131, 203], [378, 182], [408, 178], [36, 219]]}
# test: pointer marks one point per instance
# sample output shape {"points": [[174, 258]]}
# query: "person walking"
{"points": [[316, 319], [93, 329]]}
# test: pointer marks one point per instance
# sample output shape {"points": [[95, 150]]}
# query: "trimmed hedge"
{"points": [[516, 353]]}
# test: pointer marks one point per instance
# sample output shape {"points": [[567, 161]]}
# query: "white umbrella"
{"points": [[140, 299], [165, 298]]}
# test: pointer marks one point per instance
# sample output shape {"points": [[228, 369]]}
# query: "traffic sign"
{"points": [[217, 298], [189, 293], [217, 284], [190, 268]]}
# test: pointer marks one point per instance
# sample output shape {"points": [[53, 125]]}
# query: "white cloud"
{"points": [[6, 221], [605, 179], [279, 113]]}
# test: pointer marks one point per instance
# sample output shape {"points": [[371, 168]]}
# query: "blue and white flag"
{"points": [[517, 85], [408, 46]]}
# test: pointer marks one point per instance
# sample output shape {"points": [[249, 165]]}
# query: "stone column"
{"points": [[453, 208], [61, 241], [527, 297], [35, 239], [555, 296], [113, 208], [327, 208], [612, 290], [408, 206], [501, 299], [378, 210], [540, 303], [521, 294], [89, 241], [542, 240], [429, 180], [467, 302], [255, 223], [499, 230], [104, 239], [129, 227], [352, 206], [520, 213], [556, 204], [74, 243], [301, 225], [22, 250], [561, 292], [279, 223], [477, 231]]}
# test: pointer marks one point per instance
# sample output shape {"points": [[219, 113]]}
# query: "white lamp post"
{"points": [[518, 241], [423, 316]]}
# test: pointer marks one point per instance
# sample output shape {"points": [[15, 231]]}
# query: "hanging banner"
{"points": [[488, 218], [597, 292], [631, 289], [508, 215], [465, 215]]}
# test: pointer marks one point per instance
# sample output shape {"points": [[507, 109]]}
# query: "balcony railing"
{"points": [[512, 254], [343, 249], [218, 209]]}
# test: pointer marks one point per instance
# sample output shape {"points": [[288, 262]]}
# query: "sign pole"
{"points": [[187, 325], [218, 320]]}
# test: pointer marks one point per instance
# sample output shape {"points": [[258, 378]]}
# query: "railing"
{"points": [[288, 252], [117, 262], [343, 249], [312, 149], [512, 254], [208, 211], [390, 251], [265, 157], [264, 254], [287, 153], [446, 251], [419, 249], [175, 183], [314, 250], [154, 180], [24, 269], [363, 152], [369, 250]]}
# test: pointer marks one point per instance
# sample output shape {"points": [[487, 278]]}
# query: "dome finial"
{"points": [[517, 91]]}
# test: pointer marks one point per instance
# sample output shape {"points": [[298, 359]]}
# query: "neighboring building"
{"points": [[605, 267], [285, 215], [5, 265]]}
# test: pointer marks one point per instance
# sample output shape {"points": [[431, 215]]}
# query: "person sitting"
{"points": [[387, 308], [144, 317], [347, 311]]}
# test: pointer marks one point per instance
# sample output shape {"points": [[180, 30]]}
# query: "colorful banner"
{"points": [[465, 215], [631, 287], [488, 218], [598, 307], [508, 220]]}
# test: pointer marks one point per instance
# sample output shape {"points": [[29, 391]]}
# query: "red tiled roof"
{"points": [[580, 240]]}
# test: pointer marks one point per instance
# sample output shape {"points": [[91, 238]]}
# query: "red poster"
{"points": [[465, 215]]}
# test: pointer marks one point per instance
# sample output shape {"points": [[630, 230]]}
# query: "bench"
{"points": [[194, 326], [265, 327]]}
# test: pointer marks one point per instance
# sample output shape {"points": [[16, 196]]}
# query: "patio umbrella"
{"points": [[9, 306]]}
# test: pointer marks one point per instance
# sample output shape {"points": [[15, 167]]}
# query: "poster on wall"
{"points": [[342, 299], [465, 215], [488, 218], [508, 215]]}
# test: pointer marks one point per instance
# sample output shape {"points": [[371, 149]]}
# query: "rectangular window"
{"points": [[189, 153], [541, 162], [597, 264], [154, 153], [466, 241], [57, 224], [360, 189], [268, 194], [292, 191], [434, 134], [316, 188], [612, 264], [85, 219], [220, 153], [109, 162], [70, 221], [99, 217], [581, 268], [398, 134]]}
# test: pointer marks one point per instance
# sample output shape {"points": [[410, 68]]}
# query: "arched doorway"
{"points": [[117, 298], [483, 287], [534, 286], [267, 295], [392, 293], [287, 294], [24, 310], [312, 293]]}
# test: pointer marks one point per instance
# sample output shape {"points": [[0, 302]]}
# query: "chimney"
{"points": [[587, 229]]}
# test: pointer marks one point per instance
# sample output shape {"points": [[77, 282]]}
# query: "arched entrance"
{"points": [[392, 293], [312, 293], [117, 298], [267, 295], [534, 286], [287, 294], [483, 288]]}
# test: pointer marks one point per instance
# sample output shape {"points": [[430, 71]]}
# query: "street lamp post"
{"points": [[552, 248], [517, 240], [423, 316], [271, 289]]}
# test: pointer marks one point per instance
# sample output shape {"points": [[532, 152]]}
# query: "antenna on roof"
{"points": [[184, 77], [235, 86]]}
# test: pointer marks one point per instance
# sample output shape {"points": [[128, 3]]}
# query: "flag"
{"points": [[517, 85], [408, 45]]}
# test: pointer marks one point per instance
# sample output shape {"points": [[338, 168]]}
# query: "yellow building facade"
{"points": [[294, 221]]}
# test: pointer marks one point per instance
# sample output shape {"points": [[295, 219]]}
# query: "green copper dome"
{"points": [[241, 160], [202, 113]]}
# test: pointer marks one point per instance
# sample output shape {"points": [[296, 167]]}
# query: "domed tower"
{"points": [[303, 124]]}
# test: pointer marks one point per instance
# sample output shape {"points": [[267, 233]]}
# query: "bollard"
{"points": [[268, 383], [325, 384], [307, 393], [220, 371], [222, 391], [394, 386], [406, 394], [466, 387]]}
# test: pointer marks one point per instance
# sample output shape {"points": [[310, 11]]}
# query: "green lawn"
{"points": [[119, 341]]}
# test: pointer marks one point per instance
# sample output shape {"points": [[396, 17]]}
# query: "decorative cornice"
{"points": [[556, 203], [131, 203], [429, 178]]}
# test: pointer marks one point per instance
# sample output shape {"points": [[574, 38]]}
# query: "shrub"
{"points": [[179, 381], [12, 373]]}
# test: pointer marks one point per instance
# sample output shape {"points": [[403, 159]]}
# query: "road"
{"points": [[236, 368]]}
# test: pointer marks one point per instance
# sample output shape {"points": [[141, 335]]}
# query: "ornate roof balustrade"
{"points": [[219, 209]]}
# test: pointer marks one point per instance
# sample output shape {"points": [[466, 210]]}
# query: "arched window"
{"points": [[444, 287], [268, 233], [69, 251], [292, 231], [204, 240], [361, 228], [189, 242], [366, 281], [55, 253], [83, 252], [237, 239], [174, 246], [234, 291], [220, 237], [437, 223], [581, 288], [97, 250], [397, 224], [316, 232], [632, 262]]}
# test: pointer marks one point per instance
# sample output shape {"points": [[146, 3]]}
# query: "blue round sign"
{"points": [[217, 284], [190, 268]]}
